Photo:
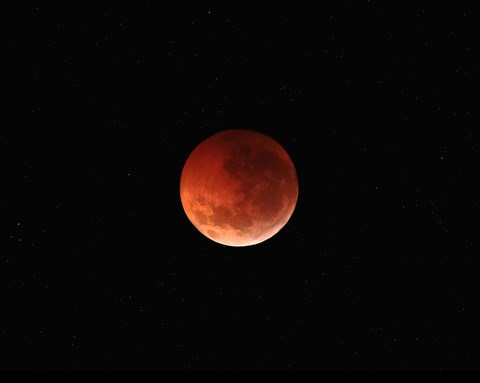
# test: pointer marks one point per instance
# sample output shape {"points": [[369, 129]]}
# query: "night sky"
{"points": [[376, 104]]}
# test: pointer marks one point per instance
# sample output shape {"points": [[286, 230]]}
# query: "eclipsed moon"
{"points": [[239, 187]]}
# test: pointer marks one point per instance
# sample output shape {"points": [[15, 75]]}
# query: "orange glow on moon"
{"points": [[239, 187]]}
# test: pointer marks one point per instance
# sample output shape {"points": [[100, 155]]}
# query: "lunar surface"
{"points": [[239, 187]]}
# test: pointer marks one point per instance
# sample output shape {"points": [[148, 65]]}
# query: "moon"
{"points": [[239, 187]]}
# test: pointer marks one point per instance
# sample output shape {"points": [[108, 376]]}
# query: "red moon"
{"points": [[239, 187]]}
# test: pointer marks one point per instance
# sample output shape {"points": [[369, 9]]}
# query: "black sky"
{"points": [[376, 104]]}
